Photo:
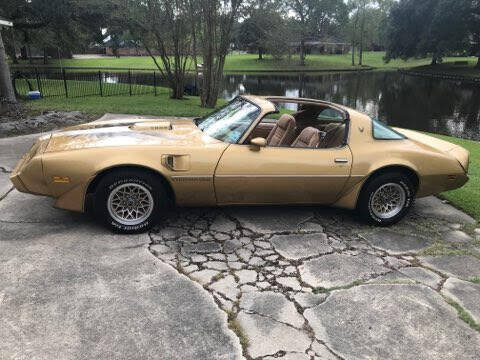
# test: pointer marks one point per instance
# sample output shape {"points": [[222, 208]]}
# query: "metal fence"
{"points": [[80, 82]]}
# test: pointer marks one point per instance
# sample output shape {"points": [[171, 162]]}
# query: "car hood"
{"points": [[121, 132]]}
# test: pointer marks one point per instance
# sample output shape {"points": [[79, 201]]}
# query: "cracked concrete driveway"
{"points": [[257, 283]]}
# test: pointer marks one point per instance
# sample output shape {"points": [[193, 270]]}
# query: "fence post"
{"points": [[130, 81], [65, 82], [155, 83], [100, 82], [39, 85]]}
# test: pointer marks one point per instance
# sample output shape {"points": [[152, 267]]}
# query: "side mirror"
{"points": [[258, 143]]}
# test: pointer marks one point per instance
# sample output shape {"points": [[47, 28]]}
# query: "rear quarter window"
{"points": [[384, 132]]}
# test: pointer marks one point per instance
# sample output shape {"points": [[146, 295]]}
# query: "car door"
{"points": [[279, 175]]}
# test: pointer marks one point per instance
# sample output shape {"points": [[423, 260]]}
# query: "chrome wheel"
{"points": [[388, 200], [130, 204]]}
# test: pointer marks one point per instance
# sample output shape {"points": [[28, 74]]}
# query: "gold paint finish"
{"points": [[203, 171]]}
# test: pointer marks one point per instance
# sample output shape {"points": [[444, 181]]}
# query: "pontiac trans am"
{"points": [[130, 171]]}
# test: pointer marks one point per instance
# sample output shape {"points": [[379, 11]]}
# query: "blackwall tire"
{"points": [[386, 199], [130, 201]]}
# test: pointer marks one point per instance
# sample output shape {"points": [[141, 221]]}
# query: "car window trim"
{"points": [[403, 137], [257, 121]]}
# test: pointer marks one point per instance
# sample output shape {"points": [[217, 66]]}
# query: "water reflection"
{"points": [[438, 106]]}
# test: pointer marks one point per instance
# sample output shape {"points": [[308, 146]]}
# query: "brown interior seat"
{"points": [[308, 138], [284, 131], [335, 134]]}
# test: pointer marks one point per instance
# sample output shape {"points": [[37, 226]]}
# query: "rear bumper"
{"points": [[436, 184]]}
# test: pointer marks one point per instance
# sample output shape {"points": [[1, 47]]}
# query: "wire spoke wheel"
{"points": [[130, 204], [388, 200]]}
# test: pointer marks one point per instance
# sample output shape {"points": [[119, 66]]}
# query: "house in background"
{"points": [[329, 45]]}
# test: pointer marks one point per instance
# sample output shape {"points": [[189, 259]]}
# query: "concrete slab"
{"points": [[12, 149], [19, 207], [267, 220], [5, 184], [307, 300], [461, 266], [75, 291], [422, 275], [339, 269], [457, 236], [392, 322], [465, 293], [434, 207], [396, 243], [298, 246], [267, 336], [272, 305]]}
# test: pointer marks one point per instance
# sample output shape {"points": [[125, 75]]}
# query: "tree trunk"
{"points": [[434, 61], [302, 52], [11, 51], [29, 54], [478, 63], [260, 53], [353, 53], [7, 94], [362, 33], [45, 56]]}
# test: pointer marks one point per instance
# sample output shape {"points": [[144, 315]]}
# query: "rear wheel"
{"points": [[386, 199], [129, 201]]}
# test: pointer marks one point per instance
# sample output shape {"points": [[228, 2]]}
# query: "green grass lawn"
{"points": [[452, 69], [250, 62], [139, 104]]}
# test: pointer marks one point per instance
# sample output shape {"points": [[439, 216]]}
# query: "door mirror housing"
{"points": [[258, 143]]}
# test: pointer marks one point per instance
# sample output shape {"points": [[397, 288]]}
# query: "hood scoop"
{"points": [[151, 126]]}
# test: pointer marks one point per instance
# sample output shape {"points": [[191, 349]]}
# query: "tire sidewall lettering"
{"points": [[115, 184], [406, 206]]}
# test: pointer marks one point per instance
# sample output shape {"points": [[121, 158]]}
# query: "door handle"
{"points": [[341, 160]]}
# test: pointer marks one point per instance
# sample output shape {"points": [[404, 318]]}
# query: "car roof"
{"points": [[260, 100]]}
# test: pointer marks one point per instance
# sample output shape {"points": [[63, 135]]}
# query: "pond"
{"points": [[438, 106]]}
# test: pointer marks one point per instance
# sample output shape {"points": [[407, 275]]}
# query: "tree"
{"points": [[261, 18], [474, 26], [213, 31], [163, 28], [316, 18], [7, 95], [64, 24], [416, 28]]}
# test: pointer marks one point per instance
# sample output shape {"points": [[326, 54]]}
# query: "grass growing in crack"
{"points": [[235, 326], [181, 269], [442, 249], [475, 280], [462, 314], [321, 290], [217, 277]]}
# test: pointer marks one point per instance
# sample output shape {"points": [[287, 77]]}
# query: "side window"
{"points": [[384, 132], [330, 115]]}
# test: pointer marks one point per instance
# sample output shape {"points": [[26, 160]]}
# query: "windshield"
{"points": [[230, 122]]}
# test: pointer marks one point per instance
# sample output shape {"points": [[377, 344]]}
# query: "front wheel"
{"points": [[386, 199], [129, 201]]}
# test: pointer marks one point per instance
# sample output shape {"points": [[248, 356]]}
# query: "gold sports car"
{"points": [[253, 151]]}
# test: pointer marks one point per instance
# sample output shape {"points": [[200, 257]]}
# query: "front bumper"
{"points": [[27, 176]]}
